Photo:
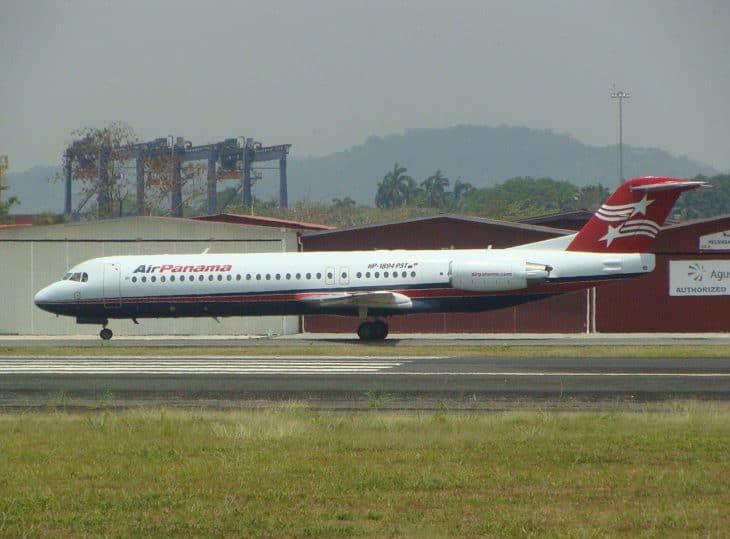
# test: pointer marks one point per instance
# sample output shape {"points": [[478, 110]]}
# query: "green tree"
{"points": [[522, 197], [591, 197], [396, 190], [705, 203], [343, 203], [434, 191], [5, 208], [461, 191]]}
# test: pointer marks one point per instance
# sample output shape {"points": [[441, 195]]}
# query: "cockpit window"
{"points": [[78, 277]]}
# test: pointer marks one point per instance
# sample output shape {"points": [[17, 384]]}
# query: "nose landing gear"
{"points": [[106, 334], [376, 330]]}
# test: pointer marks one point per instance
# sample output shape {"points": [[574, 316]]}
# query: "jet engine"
{"points": [[501, 276]]}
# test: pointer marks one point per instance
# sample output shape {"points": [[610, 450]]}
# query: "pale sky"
{"points": [[325, 75]]}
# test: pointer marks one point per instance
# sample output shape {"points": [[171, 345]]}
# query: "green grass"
{"points": [[388, 350], [292, 472]]}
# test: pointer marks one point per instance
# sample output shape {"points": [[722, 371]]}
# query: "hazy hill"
{"points": [[480, 155], [34, 190], [483, 156]]}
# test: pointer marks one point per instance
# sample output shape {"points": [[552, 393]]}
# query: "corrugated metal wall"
{"points": [[563, 314], [644, 304], [636, 305], [32, 258]]}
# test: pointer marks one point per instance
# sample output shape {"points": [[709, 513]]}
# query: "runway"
{"points": [[355, 381]]}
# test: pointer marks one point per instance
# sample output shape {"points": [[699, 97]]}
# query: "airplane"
{"points": [[374, 284]]}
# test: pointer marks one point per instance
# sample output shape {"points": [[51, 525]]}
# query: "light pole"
{"points": [[620, 95]]}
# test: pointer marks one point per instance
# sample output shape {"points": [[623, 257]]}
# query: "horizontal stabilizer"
{"points": [[681, 185]]}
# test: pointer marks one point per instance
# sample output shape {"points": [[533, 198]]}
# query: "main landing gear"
{"points": [[372, 331], [106, 334]]}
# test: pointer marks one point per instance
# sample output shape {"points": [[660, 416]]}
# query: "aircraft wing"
{"points": [[376, 299]]}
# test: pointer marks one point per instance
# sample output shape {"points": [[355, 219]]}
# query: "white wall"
{"points": [[31, 258]]}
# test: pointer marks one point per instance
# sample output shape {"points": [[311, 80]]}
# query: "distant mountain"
{"points": [[35, 190], [483, 156]]}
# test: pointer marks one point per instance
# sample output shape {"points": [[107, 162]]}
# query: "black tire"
{"points": [[366, 331], [381, 330], [106, 334]]}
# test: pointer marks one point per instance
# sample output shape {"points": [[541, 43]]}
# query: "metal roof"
{"points": [[259, 220], [452, 217]]}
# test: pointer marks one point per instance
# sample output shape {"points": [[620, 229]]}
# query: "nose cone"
{"points": [[44, 297]]}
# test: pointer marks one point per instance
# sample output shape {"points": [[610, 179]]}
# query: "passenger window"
{"points": [[220, 277], [377, 274], [210, 277], [288, 276], [229, 277], [413, 274], [268, 276], [84, 277], [144, 279], [278, 276], [238, 277], [385, 274], [153, 278], [309, 275], [359, 274], [248, 276], [134, 279], [367, 275], [162, 279], [298, 276], [319, 275], [172, 278], [258, 276]]}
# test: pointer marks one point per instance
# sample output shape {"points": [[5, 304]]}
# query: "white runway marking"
{"points": [[213, 365]]}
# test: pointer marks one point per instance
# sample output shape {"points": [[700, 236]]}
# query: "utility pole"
{"points": [[620, 95]]}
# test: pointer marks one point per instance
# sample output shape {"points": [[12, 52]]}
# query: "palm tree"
{"points": [[396, 190], [434, 190], [461, 191]]}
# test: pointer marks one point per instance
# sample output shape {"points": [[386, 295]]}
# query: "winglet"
{"points": [[631, 218]]}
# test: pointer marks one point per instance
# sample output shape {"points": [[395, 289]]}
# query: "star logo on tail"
{"points": [[623, 215]]}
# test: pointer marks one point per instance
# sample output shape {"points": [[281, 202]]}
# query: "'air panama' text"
{"points": [[183, 269]]}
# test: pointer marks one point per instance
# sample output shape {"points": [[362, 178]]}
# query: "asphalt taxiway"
{"points": [[355, 381]]}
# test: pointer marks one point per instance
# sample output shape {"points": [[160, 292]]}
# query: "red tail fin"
{"points": [[631, 218]]}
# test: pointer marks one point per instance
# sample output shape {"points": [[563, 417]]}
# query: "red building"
{"points": [[638, 305]]}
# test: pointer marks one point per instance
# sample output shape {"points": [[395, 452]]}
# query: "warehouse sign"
{"points": [[720, 241], [699, 277]]}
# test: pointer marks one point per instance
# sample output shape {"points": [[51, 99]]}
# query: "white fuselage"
{"points": [[374, 283]]}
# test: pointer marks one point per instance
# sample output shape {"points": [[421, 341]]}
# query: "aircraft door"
{"points": [[111, 286], [329, 276], [344, 275]]}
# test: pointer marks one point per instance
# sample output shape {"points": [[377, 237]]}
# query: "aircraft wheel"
{"points": [[106, 334], [381, 330], [366, 331]]}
